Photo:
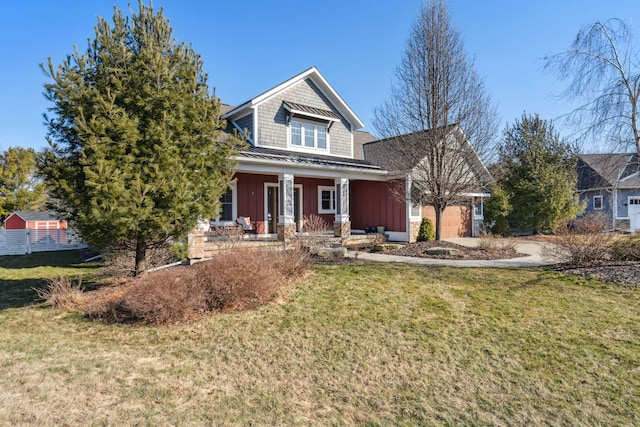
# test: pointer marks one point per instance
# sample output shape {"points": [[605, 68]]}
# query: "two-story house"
{"points": [[306, 157]]}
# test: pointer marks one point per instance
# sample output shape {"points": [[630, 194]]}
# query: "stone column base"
{"points": [[342, 229], [195, 244], [414, 230], [286, 232]]}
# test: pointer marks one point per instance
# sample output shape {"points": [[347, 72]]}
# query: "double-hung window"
{"points": [[226, 206], [308, 135], [597, 203], [326, 200]]}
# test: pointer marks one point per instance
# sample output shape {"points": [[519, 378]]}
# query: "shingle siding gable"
{"points": [[272, 127]]}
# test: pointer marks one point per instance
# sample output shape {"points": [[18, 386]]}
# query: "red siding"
{"points": [[310, 197], [373, 204], [250, 194], [14, 222]]}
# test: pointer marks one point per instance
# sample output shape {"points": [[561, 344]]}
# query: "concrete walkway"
{"points": [[532, 256]]}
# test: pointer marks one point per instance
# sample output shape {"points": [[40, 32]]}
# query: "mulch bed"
{"points": [[464, 252], [621, 273]]}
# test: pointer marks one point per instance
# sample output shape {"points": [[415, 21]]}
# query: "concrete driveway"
{"points": [[532, 256]]}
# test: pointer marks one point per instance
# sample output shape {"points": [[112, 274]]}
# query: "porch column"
{"points": [[286, 216], [414, 214], [342, 223]]}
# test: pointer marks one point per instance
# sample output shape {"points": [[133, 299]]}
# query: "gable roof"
{"points": [[385, 152], [620, 170], [360, 138], [314, 75], [37, 216]]}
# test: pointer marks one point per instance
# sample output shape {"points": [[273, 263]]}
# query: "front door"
{"points": [[272, 208]]}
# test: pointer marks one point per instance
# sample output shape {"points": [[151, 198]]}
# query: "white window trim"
{"points": [[234, 209], [332, 189], [601, 203], [303, 147]]}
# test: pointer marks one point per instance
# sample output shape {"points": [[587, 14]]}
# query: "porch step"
{"points": [[365, 239]]}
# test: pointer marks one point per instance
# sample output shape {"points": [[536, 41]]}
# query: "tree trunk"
{"points": [[438, 211], [141, 256]]}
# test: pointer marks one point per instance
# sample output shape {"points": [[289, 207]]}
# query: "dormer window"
{"points": [[309, 126], [308, 135]]}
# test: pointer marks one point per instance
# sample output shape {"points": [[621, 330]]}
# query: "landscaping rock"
{"points": [[385, 247], [438, 250], [338, 252]]}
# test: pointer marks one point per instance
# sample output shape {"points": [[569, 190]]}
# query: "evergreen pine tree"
{"points": [[135, 150], [540, 175]]}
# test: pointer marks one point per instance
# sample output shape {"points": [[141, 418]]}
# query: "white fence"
{"points": [[18, 242]]}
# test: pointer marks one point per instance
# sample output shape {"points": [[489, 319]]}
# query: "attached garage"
{"points": [[456, 220]]}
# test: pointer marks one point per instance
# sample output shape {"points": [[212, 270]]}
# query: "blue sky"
{"points": [[356, 45]]}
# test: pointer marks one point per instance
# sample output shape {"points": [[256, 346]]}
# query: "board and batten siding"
{"points": [[272, 127], [373, 204]]}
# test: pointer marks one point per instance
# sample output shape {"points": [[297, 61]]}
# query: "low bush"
{"points": [[62, 293], [158, 298], [582, 241], [626, 248], [427, 233], [233, 280], [291, 260], [501, 226], [496, 243], [238, 280]]}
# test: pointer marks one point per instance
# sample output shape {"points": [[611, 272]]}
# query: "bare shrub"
{"points": [[314, 233], [582, 240], [62, 293], [232, 280], [496, 243], [626, 248], [157, 298], [291, 260], [238, 280], [226, 238]]}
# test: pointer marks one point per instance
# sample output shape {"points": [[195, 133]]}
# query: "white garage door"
{"points": [[634, 213]]}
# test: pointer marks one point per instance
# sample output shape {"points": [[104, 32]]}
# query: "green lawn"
{"points": [[369, 344], [20, 273]]}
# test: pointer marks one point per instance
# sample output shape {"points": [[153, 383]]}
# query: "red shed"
{"points": [[20, 220]]}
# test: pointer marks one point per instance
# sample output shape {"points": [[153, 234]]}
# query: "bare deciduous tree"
{"points": [[602, 69], [436, 96]]}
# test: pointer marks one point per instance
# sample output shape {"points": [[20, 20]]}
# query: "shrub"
{"points": [[626, 248], [314, 234], [238, 280], [292, 261], [62, 293], [427, 232], [158, 299], [582, 240], [501, 227], [496, 243]]}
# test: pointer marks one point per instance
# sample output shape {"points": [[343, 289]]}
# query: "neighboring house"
{"points": [[20, 220], [306, 157], [610, 183]]}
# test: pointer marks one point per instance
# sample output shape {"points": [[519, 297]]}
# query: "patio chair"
{"points": [[247, 226]]}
